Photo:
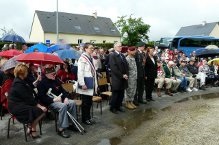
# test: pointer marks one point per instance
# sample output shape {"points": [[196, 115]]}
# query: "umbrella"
{"points": [[39, 58], [56, 47], [212, 47], [10, 53], [11, 63], [215, 61], [13, 38], [67, 53], [208, 51], [40, 47]]}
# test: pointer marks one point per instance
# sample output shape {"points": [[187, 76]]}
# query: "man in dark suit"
{"points": [[140, 62], [119, 75], [150, 73]]}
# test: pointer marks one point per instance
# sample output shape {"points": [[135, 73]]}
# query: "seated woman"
{"points": [[205, 70], [21, 101], [33, 76], [64, 73]]}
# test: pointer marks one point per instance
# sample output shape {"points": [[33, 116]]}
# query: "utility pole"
{"points": [[57, 22]]}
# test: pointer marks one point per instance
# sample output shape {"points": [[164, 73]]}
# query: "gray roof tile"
{"points": [[204, 30], [77, 24]]}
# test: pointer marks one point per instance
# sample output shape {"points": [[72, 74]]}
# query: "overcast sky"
{"points": [[165, 16]]}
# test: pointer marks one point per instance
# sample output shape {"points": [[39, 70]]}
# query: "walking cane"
{"points": [[76, 123]]}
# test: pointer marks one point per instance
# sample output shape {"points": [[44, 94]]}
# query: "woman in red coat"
{"points": [[64, 73]]}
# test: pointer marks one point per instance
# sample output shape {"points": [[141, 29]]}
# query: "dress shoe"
{"points": [[63, 134], [168, 93], [120, 109], [87, 122], [114, 111], [92, 121], [152, 99]]}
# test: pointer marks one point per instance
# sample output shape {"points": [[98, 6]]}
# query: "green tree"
{"points": [[132, 30]]}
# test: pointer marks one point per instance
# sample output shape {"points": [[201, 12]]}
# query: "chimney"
{"points": [[94, 14], [204, 23]]}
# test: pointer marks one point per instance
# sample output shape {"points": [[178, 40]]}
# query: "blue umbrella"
{"points": [[40, 47], [13, 38], [56, 47], [67, 53]]}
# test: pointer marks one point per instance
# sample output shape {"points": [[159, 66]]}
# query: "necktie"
{"points": [[121, 57]]}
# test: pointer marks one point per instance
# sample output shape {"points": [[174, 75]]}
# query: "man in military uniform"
{"points": [[132, 81]]}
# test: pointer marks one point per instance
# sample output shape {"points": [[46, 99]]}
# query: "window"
{"points": [[77, 27], [80, 41], [112, 30], [97, 29]]}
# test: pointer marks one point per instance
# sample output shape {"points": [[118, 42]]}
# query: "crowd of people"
{"points": [[133, 76]]}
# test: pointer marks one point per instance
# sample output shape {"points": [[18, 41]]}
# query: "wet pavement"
{"points": [[188, 118]]}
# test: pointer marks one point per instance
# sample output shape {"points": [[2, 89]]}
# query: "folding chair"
{"points": [[104, 86], [25, 126]]}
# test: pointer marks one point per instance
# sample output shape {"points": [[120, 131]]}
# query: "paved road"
{"points": [[110, 129]]}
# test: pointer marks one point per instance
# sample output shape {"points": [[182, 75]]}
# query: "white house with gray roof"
{"points": [[204, 29], [73, 28]]}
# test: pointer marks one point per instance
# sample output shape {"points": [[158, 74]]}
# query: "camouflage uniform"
{"points": [[132, 81]]}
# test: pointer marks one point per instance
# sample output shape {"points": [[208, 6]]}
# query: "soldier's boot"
{"points": [[128, 105], [133, 105]]}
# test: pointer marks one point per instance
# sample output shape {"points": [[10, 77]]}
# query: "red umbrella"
{"points": [[39, 58], [10, 53]]}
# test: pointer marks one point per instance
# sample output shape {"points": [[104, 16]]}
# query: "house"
{"points": [[73, 28], [204, 29]]}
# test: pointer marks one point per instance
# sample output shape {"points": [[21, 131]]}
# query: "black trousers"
{"points": [[85, 107], [140, 90], [149, 86], [116, 99]]}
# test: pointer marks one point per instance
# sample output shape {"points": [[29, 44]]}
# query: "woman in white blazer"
{"points": [[87, 82]]}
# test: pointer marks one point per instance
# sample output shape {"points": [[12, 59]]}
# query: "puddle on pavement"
{"points": [[202, 96], [139, 116], [136, 119]]}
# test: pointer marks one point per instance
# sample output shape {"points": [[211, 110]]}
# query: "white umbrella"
{"points": [[211, 47]]}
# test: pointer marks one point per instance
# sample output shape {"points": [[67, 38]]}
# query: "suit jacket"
{"points": [[119, 67], [139, 62], [150, 68]]}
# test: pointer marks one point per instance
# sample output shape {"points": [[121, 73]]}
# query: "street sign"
{"points": [[48, 42]]}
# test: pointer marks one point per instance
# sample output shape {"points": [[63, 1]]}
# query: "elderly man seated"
{"points": [[161, 80], [181, 76], [169, 73], [60, 104]]}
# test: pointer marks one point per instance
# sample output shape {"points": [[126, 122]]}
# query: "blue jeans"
{"points": [[183, 84], [62, 109]]}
